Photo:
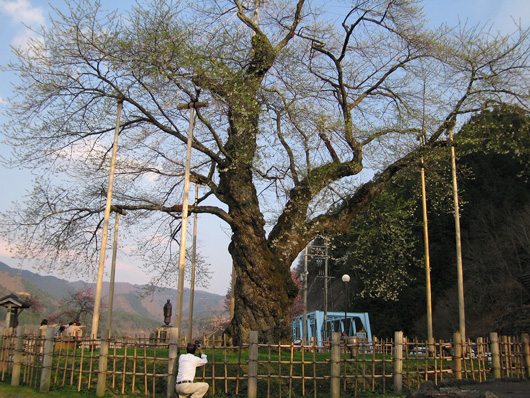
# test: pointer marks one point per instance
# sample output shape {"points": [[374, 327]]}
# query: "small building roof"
{"points": [[12, 300]]}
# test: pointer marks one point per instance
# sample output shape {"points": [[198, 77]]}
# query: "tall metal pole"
{"points": [[459, 269], [346, 280], [193, 258], [430, 337], [184, 224], [101, 267]]}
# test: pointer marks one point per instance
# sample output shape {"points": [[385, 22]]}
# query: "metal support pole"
{"points": [[346, 281], [101, 267]]}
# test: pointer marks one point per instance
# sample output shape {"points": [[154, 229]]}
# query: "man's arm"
{"points": [[203, 360]]}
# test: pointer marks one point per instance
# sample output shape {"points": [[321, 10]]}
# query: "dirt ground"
{"points": [[502, 389]]}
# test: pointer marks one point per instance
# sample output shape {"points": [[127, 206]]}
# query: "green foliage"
{"points": [[378, 251], [501, 130], [384, 251]]}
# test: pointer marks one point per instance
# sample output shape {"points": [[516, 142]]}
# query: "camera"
{"points": [[197, 343]]}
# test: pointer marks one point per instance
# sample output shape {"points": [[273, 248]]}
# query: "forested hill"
{"points": [[384, 252], [132, 313]]}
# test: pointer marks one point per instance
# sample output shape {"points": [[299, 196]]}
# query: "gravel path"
{"points": [[502, 388]]}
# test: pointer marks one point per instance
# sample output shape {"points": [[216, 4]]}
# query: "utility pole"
{"points": [[324, 274], [184, 223], [101, 266]]}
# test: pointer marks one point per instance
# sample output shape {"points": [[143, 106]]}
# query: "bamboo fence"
{"points": [[144, 366]]}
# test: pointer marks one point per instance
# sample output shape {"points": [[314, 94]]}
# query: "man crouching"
{"points": [[187, 364]]}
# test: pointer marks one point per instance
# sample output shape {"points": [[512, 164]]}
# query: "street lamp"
{"points": [[346, 280]]}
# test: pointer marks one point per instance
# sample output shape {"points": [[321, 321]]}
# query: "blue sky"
{"points": [[213, 239]]}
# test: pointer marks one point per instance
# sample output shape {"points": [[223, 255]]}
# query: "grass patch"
{"points": [[8, 391]]}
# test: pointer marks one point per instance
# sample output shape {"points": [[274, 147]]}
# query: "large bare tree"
{"points": [[309, 117]]}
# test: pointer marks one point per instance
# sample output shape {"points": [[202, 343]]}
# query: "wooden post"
{"points": [[253, 365], [17, 358], [172, 361], [495, 355], [3, 332], [102, 364], [457, 356], [46, 375], [398, 362], [526, 352], [335, 365]]}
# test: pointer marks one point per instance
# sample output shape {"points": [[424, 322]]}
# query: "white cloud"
{"points": [[22, 11], [22, 14]]}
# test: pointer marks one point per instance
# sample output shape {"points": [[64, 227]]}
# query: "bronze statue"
{"points": [[167, 312]]}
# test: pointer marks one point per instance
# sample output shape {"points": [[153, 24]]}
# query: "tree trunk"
{"points": [[264, 290], [264, 293]]}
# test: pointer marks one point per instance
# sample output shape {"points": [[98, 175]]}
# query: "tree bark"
{"points": [[264, 290]]}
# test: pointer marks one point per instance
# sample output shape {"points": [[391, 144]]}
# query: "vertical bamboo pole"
{"points": [[101, 267], [193, 259], [430, 338], [495, 355], [103, 362], [460, 273], [113, 271], [184, 226], [457, 342]]}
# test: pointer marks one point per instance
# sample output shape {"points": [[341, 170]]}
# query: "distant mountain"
{"points": [[134, 310]]}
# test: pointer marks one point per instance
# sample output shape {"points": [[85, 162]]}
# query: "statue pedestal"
{"points": [[162, 334]]}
